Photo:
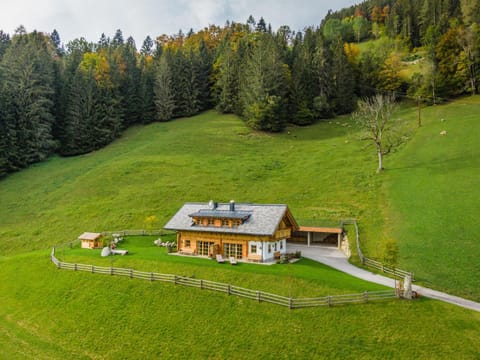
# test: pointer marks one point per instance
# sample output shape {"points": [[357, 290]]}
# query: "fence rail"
{"points": [[135, 232], [260, 296], [399, 273]]}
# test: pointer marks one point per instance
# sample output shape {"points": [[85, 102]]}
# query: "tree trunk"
{"points": [[380, 160]]}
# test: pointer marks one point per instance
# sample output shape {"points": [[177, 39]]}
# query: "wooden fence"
{"points": [[374, 263], [260, 296], [135, 232]]}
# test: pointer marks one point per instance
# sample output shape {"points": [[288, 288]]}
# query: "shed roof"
{"points": [[90, 236], [264, 219]]}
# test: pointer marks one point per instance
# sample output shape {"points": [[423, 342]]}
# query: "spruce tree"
{"points": [[263, 85], [27, 71], [225, 87], [163, 89]]}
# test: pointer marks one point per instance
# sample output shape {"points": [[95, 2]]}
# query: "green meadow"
{"points": [[426, 201]]}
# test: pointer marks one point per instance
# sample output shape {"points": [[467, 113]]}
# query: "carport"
{"points": [[326, 236]]}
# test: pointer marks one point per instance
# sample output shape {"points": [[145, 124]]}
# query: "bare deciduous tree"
{"points": [[374, 116]]}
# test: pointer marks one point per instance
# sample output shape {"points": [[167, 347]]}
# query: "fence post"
{"points": [[228, 289], [59, 264], [175, 279], [329, 300], [151, 276], [75, 266], [365, 296], [111, 270], [143, 232], [131, 273], [201, 284], [290, 303], [259, 295], [93, 270]]}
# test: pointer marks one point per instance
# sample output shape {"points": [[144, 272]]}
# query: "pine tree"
{"points": [[343, 80], [203, 72], [226, 71], [117, 39], [184, 83], [129, 84], [145, 89], [262, 89], [27, 72], [163, 89], [147, 47], [4, 43], [78, 130]]}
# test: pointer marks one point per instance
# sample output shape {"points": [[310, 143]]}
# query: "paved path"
{"points": [[334, 258]]}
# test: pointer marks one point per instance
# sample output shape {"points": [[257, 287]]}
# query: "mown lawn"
{"points": [[304, 278], [56, 314]]}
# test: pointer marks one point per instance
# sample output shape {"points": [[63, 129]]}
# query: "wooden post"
{"points": [[93, 270], [111, 270], [365, 296], [175, 279], [201, 284], [259, 295], [290, 303], [329, 301], [131, 273], [228, 289], [151, 276], [75, 266]]}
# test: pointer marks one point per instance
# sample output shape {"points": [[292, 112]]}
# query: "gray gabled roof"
{"points": [[263, 220]]}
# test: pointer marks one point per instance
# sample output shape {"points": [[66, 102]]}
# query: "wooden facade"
{"points": [[91, 240], [244, 231]]}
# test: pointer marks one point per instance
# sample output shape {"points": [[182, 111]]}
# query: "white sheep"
{"points": [[443, 132]]}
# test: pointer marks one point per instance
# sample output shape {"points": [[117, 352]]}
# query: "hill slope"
{"points": [[322, 172], [434, 195]]}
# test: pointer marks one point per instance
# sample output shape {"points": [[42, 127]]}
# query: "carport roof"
{"points": [[327, 230]]}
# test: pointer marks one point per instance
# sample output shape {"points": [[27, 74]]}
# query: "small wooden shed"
{"points": [[91, 240]]}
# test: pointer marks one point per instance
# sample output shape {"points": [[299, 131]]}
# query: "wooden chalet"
{"points": [[91, 240], [256, 232]]}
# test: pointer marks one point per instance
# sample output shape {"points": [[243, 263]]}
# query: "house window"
{"points": [[187, 243], [203, 247], [275, 247], [253, 249], [225, 222], [281, 245], [269, 248], [234, 250], [211, 221]]}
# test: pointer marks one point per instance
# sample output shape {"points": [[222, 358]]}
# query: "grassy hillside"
{"points": [[434, 194], [322, 172]]}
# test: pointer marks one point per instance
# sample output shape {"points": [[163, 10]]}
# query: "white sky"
{"points": [[139, 18]]}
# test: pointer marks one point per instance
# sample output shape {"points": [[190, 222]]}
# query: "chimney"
{"points": [[232, 205]]}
